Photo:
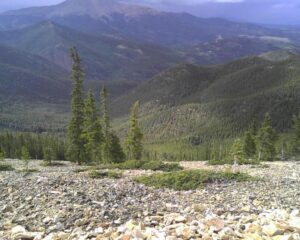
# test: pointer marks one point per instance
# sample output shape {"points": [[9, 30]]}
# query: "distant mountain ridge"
{"points": [[104, 57], [134, 22]]}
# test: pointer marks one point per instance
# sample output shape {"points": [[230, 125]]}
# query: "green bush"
{"points": [[102, 174], [131, 164], [6, 167], [190, 180]]}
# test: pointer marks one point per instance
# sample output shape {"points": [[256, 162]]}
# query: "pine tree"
{"points": [[267, 138], [295, 141], [237, 151], [249, 145], [25, 156], [92, 132], [134, 146], [107, 141], [75, 128]]}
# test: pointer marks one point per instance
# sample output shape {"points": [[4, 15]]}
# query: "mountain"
{"points": [[33, 92], [193, 102], [29, 77], [104, 57], [112, 17]]}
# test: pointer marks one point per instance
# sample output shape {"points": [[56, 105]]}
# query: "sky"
{"points": [[283, 12]]}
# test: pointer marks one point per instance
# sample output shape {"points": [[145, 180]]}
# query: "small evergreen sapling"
{"points": [[267, 138], [237, 151], [249, 145], [48, 155], [25, 157], [2, 155]]}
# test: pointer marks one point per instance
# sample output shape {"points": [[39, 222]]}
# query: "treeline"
{"points": [[37, 145], [262, 144], [90, 136]]}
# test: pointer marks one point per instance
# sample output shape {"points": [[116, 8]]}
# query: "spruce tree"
{"points": [[75, 128], [267, 137], [107, 141], [295, 141], [134, 146], [92, 132], [237, 151], [249, 145], [111, 147]]}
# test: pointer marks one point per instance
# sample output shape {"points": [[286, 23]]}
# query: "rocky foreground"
{"points": [[58, 203]]}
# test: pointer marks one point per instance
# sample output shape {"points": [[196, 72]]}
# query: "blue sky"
{"points": [[262, 11]]}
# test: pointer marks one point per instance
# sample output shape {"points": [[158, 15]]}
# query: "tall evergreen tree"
{"points": [[107, 141], [249, 145], [92, 131], [111, 147], [295, 141], [134, 146], [267, 137], [75, 128]]}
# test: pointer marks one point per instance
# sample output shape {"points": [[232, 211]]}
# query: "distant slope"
{"points": [[219, 101], [104, 58], [228, 49], [116, 18], [24, 76]]}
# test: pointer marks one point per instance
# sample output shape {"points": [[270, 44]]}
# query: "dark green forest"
{"points": [[200, 113]]}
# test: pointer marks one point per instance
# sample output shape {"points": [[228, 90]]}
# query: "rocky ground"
{"points": [[58, 203]]}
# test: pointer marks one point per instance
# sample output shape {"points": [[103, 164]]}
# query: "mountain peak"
{"points": [[98, 8], [92, 8]]}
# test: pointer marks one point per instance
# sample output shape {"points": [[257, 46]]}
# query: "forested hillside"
{"points": [[205, 103]]}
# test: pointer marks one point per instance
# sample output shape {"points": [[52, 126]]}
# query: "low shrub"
{"points": [[29, 170], [80, 170], [52, 164], [231, 162], [104, 174], [149, 165], [6, 167], [190, 180]]}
